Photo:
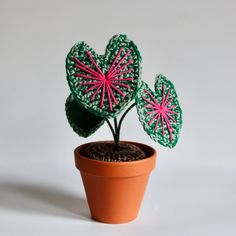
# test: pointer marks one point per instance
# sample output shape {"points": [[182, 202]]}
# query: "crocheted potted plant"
{"points": [[115, 173]]}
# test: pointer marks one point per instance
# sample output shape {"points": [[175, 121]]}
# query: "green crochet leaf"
{"points": [[104, 84], [160, 112], [83, 122]]}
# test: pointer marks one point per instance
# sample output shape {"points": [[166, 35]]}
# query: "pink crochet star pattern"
{"points": [[161, 111], [105, 84]]}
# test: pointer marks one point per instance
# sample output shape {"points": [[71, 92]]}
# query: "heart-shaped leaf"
{"points": [[83, 122], [104, 84], [159, 112]]}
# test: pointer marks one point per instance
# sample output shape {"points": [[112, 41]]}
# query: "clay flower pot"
{"points": [[115, 190]]}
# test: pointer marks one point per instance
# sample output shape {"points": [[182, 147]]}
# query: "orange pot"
{"points": [[115, 190]]}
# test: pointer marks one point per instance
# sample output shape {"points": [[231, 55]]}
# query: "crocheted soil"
{"points": [[111, 153]]}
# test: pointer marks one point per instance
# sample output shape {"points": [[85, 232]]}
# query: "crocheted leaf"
{"points": [[104, 84], [83, 122], [159, 112]]}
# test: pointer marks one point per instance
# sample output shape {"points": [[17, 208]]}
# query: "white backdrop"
{"points": [[193, 188]]}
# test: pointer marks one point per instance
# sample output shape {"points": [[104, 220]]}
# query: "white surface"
{"points": [[192, 190]]}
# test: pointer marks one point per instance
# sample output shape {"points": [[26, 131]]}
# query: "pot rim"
{"points": [[116, 169]]}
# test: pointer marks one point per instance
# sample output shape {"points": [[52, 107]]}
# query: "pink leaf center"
{"points": [[161, 111], [105, 85]]}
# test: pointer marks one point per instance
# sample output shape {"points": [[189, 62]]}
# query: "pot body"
{"points": [[115, 190]]}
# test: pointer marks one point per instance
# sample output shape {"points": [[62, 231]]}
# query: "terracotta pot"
{"points": [[115, 190]]}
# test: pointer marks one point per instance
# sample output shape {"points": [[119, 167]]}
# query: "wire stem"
{"points": [[122, 118], [111, 128], [116, 140], [117, 126]]}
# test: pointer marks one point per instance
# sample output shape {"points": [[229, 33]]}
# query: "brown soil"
{"points": [[110, 152]]}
